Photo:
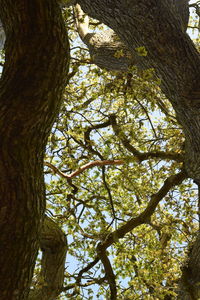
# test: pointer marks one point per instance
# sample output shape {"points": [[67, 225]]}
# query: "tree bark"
{"points": [[189, 282], [156, 26], [53, 244], [30, 95], [170, 51], [105, 45], [31, 86]]}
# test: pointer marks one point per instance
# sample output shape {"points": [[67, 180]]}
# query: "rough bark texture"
{"points": [[156, 26], [53, 244], [190, 280], [104, 46], [30, 94]]}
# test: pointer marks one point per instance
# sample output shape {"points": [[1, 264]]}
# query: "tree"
{"points": [[112, 198], [30, 100]]}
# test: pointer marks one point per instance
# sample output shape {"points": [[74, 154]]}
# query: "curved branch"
{"points": [[143, 218], [156, 26], [53, 244], [107, 50], [141, 156], [103, 46], [86, 269], [85, 167], [146, 214]]}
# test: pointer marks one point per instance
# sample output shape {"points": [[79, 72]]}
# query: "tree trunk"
{"points": [[189, 283], [156, 26], [105, 46], [30, 95], [53, 244]]}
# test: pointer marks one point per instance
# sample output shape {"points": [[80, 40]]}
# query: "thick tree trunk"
{"points": [[104, 45], [31, 88], [30, 95], [189, 282], [156, 26]]}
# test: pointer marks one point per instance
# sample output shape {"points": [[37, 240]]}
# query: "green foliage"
{"points": [[112, 116], [141, 51]]}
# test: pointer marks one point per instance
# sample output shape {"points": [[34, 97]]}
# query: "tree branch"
{"points": [[139, 155], [113, 237], [110, 276], [53, 244], [105, 44], [156, 26], [146, 214], [86, 269], [84, 167]]}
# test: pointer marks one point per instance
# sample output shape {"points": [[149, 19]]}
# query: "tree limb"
{"points": [[104, 46], [141, 156], [110, 276], [156, 26], [85, 167], [146, 214], [53, 244]]}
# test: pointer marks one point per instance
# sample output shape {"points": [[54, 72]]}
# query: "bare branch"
{"points": [[108, 191], [86, 269], [82, 21], [84, 167], [108, 271]]}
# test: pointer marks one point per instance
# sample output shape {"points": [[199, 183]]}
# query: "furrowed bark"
{"points": [[189, 281], [104, 45], [156, 26], [31, 86], [53, 244]]}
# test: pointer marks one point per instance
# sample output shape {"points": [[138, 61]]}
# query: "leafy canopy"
{"points": [[120, 133]]}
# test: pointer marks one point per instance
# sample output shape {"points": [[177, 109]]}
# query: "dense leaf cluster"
{"points": [[132, 220]]}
